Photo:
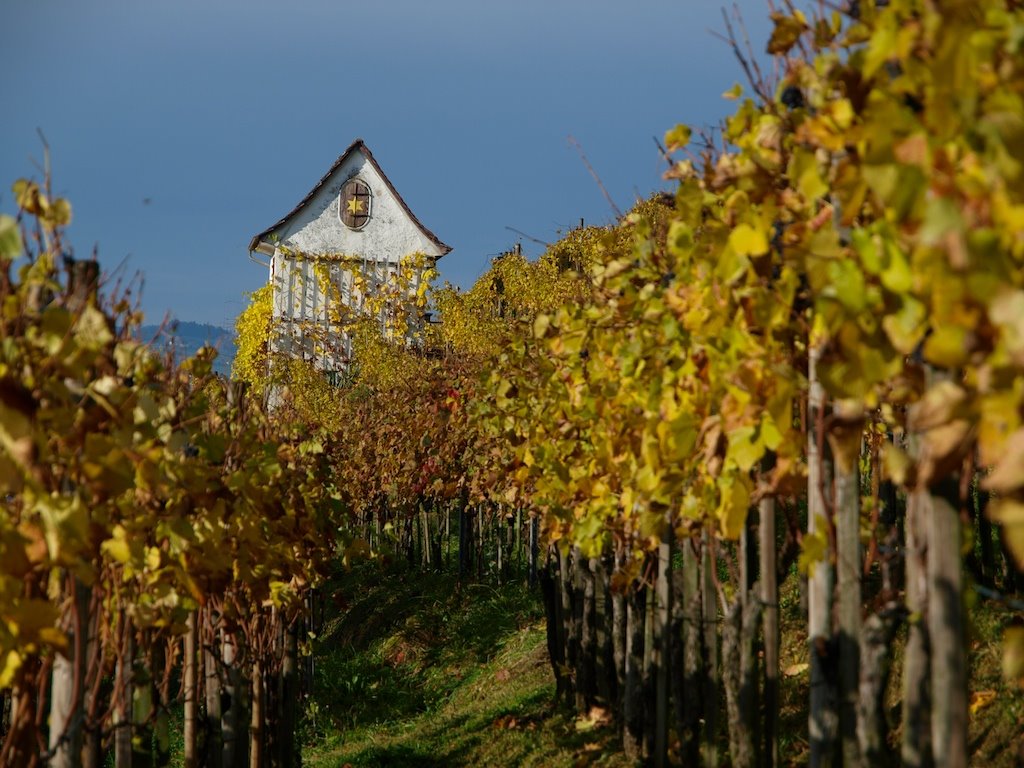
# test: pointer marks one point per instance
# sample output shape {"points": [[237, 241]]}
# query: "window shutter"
{"points": [[355, 203]]}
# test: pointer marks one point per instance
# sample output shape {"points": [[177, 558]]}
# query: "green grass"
{"points": [[414, 670], [417, 671]]}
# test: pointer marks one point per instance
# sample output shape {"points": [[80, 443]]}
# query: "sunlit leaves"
{"points": [[252, 339], [32, 200], [748, 241], [788, 29], [10, 239], [679, 137], [857, 201], [149, 481]]}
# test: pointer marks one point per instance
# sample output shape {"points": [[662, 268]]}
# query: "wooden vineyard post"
{"points": [[605, 669], [693, 640], [235, 718], [256, 735], [846, 436], [466, 542], [619, 632], [213, 747], [947, 626], [662, 647], [123, 710], [288, 697], [712, 684], [632, 705], [556, 640], [533, 551], [916, 750], [189, 685], [92, 756], [68, 682], [500, 560], [161, 723], [822, 717], [647, 686], [142, 714], [770, 621], [568, 621], [586, 677]]}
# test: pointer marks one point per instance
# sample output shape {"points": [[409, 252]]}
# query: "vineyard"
{"points": [[797, 379]]}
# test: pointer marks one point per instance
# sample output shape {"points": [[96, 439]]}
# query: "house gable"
{"points": [[315, 225]]}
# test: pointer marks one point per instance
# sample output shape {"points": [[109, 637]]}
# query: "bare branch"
{"points": [[661, 151], [583, 157], [730, 39], [750, 49], [528, 237]]}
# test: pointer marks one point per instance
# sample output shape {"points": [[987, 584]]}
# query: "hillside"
{"points": [[186, 338]]}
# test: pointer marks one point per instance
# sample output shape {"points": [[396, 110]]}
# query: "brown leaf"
{"points": [[788, 29], [943, 450], [912, 150], [845, 430], [940, 405], [796, 669], [1008, 474]]}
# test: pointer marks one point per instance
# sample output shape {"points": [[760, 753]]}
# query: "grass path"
{"points": [[415, 671]]}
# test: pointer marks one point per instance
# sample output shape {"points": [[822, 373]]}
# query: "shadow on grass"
{"points": [[399, 755], [414, 669], [400, 641]]}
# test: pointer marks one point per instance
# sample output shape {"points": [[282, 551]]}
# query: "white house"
{"points": [[343, 241]]}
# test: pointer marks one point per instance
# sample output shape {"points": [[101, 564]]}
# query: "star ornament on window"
{"points": [[355, 205]]}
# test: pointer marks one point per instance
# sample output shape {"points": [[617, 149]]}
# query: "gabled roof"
{"points": [[357, 145]]}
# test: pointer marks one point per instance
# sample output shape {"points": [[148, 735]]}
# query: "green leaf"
{"points": [[770, 434], [541, 325], [733, 93], [897, 276], [27, 196], [905, 328], [747, 241], [10, 238], [680, 240], [93, 329], [847, 284], [117, 546], [745, 447], [881, 47], [678, 137], [947, 346], [59, 213], [813, 549], [942, 215], [803, 172]]}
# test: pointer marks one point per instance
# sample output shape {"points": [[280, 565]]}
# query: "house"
{"points": [[334, 252]]}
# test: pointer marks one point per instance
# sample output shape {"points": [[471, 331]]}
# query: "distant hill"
{"points": [[186, 338]]}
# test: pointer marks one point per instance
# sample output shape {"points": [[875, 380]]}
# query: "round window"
{"points": [[355, 203]]}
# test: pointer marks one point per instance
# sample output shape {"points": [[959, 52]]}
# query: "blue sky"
{"points": [[180, 128]]}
